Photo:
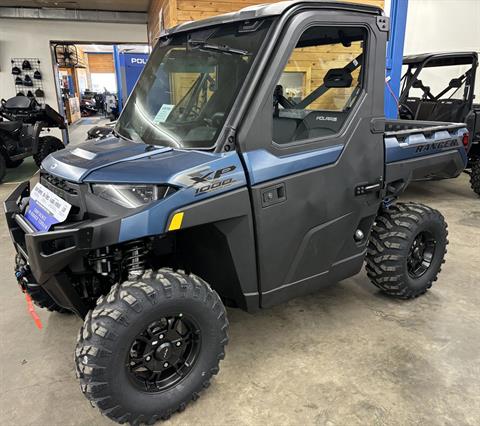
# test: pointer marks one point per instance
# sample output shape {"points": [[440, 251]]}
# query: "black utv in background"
{"points": [[21, 122], [454, 102]]}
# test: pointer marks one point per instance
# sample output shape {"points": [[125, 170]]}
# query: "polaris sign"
{"points": [[138, 61], [131, 65]]}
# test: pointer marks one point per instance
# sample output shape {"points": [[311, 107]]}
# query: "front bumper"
{"points": [[48, 254]]}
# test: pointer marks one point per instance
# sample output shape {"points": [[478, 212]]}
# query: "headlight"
{"points": [[131, 196]]}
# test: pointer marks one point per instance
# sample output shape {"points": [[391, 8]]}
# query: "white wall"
{"points": [[31, 38], [443, 26]]}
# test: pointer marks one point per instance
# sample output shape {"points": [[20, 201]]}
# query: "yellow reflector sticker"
{"points": [[176, 222]]}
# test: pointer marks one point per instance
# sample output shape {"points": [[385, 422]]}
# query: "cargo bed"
{"points": [[423, 150]]}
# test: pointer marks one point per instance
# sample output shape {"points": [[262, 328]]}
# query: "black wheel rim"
{"points": [[421, 254], [163, 353]]}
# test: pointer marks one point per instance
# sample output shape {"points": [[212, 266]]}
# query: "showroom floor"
{"points": [[78, 131], [344, 356]]}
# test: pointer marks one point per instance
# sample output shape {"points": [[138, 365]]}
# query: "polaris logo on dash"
{"points": [[324, 118], [141, 61]]}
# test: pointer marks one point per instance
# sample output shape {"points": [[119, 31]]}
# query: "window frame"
{"points": [[358, 101]]}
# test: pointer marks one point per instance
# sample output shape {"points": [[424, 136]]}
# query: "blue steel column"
{"points": [[398, 21], [118, 76]]}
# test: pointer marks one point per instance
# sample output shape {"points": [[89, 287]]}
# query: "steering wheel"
{"points": [[405, 112]]}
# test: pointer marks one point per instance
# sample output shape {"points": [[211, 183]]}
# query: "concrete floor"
{"points": [[344, 356]]}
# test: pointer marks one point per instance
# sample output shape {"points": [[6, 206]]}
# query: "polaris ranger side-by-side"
{"points": [[252, 164], [453, 99]]}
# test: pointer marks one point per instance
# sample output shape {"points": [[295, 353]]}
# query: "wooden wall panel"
{"points": [[100, 63], [178, 11], [161, 14], [314, 62]]}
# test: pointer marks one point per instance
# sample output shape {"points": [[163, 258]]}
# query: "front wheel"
{"points": [[47, 145], [150, 346], [406, 249], [3, 167]]}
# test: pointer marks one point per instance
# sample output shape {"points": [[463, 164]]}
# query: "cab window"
{"points": [[320, 84]]}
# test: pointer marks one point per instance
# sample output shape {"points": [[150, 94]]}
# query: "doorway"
{"points": [[93, 82]]}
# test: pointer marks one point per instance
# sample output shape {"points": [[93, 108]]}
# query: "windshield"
{"points": [[189, 85]]}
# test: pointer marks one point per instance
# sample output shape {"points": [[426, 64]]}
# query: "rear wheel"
{"points": [[406, 249], [475, 175], [3, 167], [47, 145], [150, 346]]}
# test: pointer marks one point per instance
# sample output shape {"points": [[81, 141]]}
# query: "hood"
{"points": [[115, 160]]}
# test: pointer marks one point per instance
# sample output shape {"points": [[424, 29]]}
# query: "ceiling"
{"points": [[117, 5]]}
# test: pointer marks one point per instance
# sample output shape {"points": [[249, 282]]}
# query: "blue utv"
{"points": [[252, 164]]}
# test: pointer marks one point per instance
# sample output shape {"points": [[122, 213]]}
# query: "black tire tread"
{"points": [[43, 300], [47, 145], [3, 167], [385, 259], [475, 176], [112, 311]]}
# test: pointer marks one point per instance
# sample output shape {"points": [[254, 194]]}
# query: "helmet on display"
{"points": [[20, 93], [37, 75], [28, 81], [26, 65], [30, 94], [18, 81], [16, 71], [39, 93]]}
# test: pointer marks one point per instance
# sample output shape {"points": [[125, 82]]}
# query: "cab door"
{"points": [[313, 155]]}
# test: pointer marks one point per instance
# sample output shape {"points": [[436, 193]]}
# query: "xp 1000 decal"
{"points": [[207, 180], [224, 173]]}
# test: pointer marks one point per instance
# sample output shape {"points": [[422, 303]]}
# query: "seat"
{"points": [[453, 110], [284, 129], [319, 124], [412, 104], [424, 110]]}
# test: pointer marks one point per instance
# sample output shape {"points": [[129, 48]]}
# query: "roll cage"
{"points": [[440, 106]]}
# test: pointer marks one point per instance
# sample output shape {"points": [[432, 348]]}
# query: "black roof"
{"points": [[441, 59], [272, 9]]}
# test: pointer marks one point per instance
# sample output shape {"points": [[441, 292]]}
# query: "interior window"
{"points": [[319, 85], [441, 91], [445, 82]]}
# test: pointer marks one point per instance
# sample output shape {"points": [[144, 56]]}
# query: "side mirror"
{"points": [[337, 77]]}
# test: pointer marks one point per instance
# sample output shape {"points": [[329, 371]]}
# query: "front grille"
{"points": [[60, 184], [68, 191]]}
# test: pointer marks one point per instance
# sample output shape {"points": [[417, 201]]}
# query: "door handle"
{"points": [[367, 188], [273, 195]]}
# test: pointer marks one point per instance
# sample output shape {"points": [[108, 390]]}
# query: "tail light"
{"points": [[465, 140]]}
